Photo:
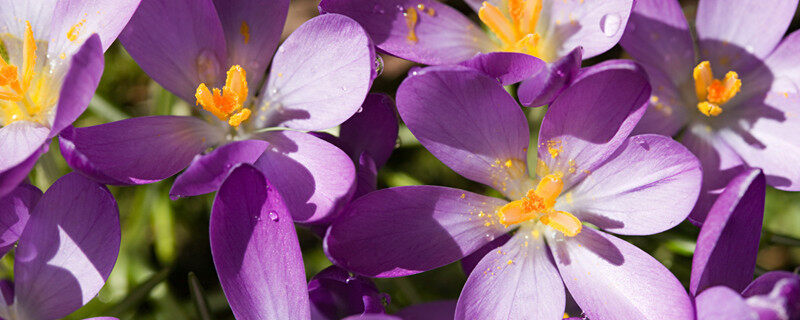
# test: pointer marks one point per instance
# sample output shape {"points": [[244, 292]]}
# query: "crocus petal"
{"points": [[366, 175], [783, 67], [75, 21], [763, 136], [429, 311], [315, 178], [658, 35], [80, 82], [319, 77], [507, 67], [516, 281], [336, 294], [137, 150], [11, 178], [373, 129], [19, 140], [546, 85], [721, 32], [469, 262], [775, 295], [406, 230], [67, 249], [613, 279], [470, 123], [766, 282], [193, 52], [255, 249], [667, 112], [594, 25], [14, 18], [444, 37], [206, 172], [586, 124], [252, 31], [728, 242], [721, 302], [16, 207]]}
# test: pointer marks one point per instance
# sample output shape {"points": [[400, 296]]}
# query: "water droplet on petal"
{"points": [[281, 49], [349, 279], [610, 24], [273, 215], [344, 88], [360, 109], [378, 65], [489, 237]]}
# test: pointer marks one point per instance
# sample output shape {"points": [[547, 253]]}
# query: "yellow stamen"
{"points": [[538, 204], [562, 221], [411, 22], [549, 188], [226, 104], [498, 23], [713, 93], [517, 30], [29, 56], [14, 84]]}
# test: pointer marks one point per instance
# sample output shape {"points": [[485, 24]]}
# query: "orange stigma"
{"points": [[226, 104], [538, 204], [16, 103], [517, 30], [713, 93]]}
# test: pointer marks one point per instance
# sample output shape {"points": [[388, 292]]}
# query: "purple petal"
{"points": [[67, 249], [336, 294], [594, 25], [444, 37], [782, 65], [766, 283], [11, 177], [728, 242], [507, 67], [406, 230], [763, 136], [649, 186], [470, 123], [252, 32], [314, 178], [206, 172], [255, 249], [775, 295], [723, 28], [613, 279], [80, 82], [373, 129], [16, 208], [469, 262], [137, 150], [19, 141], [591, 119], [366, 175], [319, 77], [658, 35], [429, 311], [667, 112], [106, 18], [192, 52], [720, 303], [516, 281], [546, 85]]}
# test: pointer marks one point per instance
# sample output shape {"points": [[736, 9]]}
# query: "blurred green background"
{"points": [[165, 243]]}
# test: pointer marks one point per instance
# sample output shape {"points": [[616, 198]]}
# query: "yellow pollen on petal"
{"points": [[411, 22], [245, 31], [713, 93], [538, 204], [554, 148], [74, 31], [516, 28], [227, 103]]}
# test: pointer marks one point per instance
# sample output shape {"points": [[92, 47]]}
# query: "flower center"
{"points": [[226, 104], [538, 204], [15, 101], [517, 34], [713, 93]]}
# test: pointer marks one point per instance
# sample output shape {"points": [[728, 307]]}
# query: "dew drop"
{"points": [[610, 24], [360, 109], [349, 279], [344, 88], [281, 49], [273, 215], [378, 65], [489, 237]]}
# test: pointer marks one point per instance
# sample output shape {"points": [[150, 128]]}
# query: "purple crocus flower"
{"points": [[589, 170], [557, 32], [67, 243], [53, 68], [735, 103], [725, 258], [319, 77]]}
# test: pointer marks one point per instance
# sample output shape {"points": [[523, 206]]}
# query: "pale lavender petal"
{"points": [[613, 279], [429, 311], [469, 262], [667, 113], [19, 140], [373, 129], [406, 230], [444, 37], [516, 281], [766, 282], [11, 178], [15, 209], [15, 15], [658, 35], [775, 295], [255, 249], [80, 82], [594, 25], [252, 32], [720, 303], [206, 172], [470, 123], [586, 124], [507, 67], [75, 21], [319, 77], [546, 85], [728, 242], [137, 150], [783, 66], [315, 178], [67, 249], [649, 186], [15, 136], [192, 52]]}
